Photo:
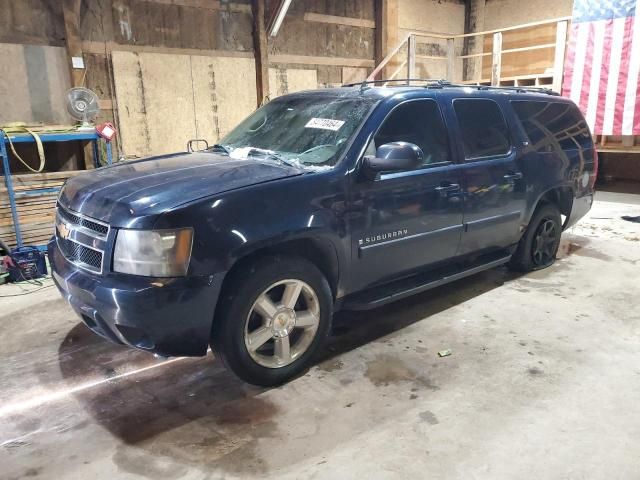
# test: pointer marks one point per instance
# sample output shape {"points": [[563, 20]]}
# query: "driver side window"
{"points": [[418, 122]]}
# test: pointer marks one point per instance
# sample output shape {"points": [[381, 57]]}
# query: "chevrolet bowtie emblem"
{"points": [[64, 230]]}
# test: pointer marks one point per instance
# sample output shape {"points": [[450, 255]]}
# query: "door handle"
{"points": [[512, 177], [443, 190]]}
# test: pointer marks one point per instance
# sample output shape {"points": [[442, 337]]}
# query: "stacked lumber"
{"points": [[36, 195]]}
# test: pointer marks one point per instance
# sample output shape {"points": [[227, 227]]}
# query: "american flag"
{"points": [[602, 65]]}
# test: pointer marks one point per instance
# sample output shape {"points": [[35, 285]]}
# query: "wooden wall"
{"points": [[321, 43], [204, 54], [432, 16], [34, 80], [506, 13], [332, 37], [523, 63]]}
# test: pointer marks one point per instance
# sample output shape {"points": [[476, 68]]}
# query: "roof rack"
{"points": [[546, 90], [441, 83], [435, 82]]}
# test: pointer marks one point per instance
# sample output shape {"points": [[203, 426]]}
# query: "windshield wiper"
{"points": [[218, 147], [273, 155]]}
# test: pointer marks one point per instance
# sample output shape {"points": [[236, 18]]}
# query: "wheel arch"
{"points": [[317, 249], [560, 196]]}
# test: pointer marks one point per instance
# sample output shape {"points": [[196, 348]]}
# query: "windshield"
{"points": [[312, 130]]}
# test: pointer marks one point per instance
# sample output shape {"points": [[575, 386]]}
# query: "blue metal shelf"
{"points": [[55, 137], [44, 137]]}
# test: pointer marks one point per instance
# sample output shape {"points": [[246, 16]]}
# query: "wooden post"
{"points": [[386, 33], [496, 64], [411, 58], [73, 42], [71, 13], [261, 51], [451, 58], [558, 61]]}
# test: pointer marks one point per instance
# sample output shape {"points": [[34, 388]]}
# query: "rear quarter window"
{"points": [[482, 127], [553, 126]]}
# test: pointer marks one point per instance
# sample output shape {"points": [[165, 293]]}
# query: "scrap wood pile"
{"points": [[36, 195]]}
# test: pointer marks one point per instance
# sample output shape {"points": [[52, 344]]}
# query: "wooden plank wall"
{"points": [[36, 211], [165, 100], [523, 63], [319, 42], [335, 38], [329, 36]]}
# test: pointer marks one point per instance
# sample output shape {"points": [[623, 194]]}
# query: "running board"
{"points": [[382, 295]]}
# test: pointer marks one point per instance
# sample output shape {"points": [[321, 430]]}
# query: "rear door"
{"points": [[403, 221], [493, 184]]}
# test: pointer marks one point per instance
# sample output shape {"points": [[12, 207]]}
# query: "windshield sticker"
{"points": [[241, 153], [325, 124]]}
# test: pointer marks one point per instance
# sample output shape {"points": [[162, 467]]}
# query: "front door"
{"points": [[403, 221], [494, 190]]}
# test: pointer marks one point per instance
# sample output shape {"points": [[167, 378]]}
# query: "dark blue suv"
{"points": [[343, 198]]}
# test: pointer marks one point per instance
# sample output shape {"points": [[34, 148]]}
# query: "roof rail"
{"points": [[441, 83], [437, 82], [546, 90]]}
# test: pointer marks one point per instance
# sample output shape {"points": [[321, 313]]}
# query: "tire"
{"points": [[539, 244], [255, 320]]}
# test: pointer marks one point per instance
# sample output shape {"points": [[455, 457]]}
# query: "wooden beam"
{"points": [[558, 60], [386, 34], [514, 27], [411, 57], [432, 57], [496, 64], [261, 51], [311, 60], [207, 5], [337, 20], [106, 48], [71, 13], [451, 59], [382, 64]]}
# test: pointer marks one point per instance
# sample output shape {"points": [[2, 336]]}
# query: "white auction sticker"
{"points": [[241, 153], [325, 124]]}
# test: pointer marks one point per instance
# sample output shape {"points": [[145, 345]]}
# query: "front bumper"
{"points": [[168, 316]]}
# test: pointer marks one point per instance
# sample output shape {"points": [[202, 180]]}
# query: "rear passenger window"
{"points": [[483, 129], [418, 122], [553, 126]]}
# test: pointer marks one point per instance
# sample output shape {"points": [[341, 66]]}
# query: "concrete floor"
{"points": [[543, 382]]}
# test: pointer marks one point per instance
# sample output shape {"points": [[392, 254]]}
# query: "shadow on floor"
{"points": [[195, 412]]}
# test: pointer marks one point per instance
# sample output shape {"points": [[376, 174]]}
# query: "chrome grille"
{"points": [[81, 239], [81, 255], [102, 229]]}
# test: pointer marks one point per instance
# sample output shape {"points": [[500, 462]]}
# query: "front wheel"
{"points": [[274, 314], [539, 244]]}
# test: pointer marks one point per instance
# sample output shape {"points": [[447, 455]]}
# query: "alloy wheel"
{"points": [[282, 323], [544, 242]]}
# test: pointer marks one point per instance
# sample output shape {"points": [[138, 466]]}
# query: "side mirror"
{"points": [[393, 157]]}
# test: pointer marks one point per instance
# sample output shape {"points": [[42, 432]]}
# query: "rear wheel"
{"points": [[539, 244], [274, 314]]}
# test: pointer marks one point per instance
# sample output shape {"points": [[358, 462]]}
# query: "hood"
{"points": [[122, 193]]}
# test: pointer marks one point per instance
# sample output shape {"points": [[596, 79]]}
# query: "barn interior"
{"points": [[541, 371]]}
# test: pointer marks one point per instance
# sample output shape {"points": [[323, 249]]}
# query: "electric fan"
{"points": [[82, 104]]}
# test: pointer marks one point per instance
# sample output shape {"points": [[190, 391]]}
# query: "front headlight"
{"points": [[153, 253]]}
